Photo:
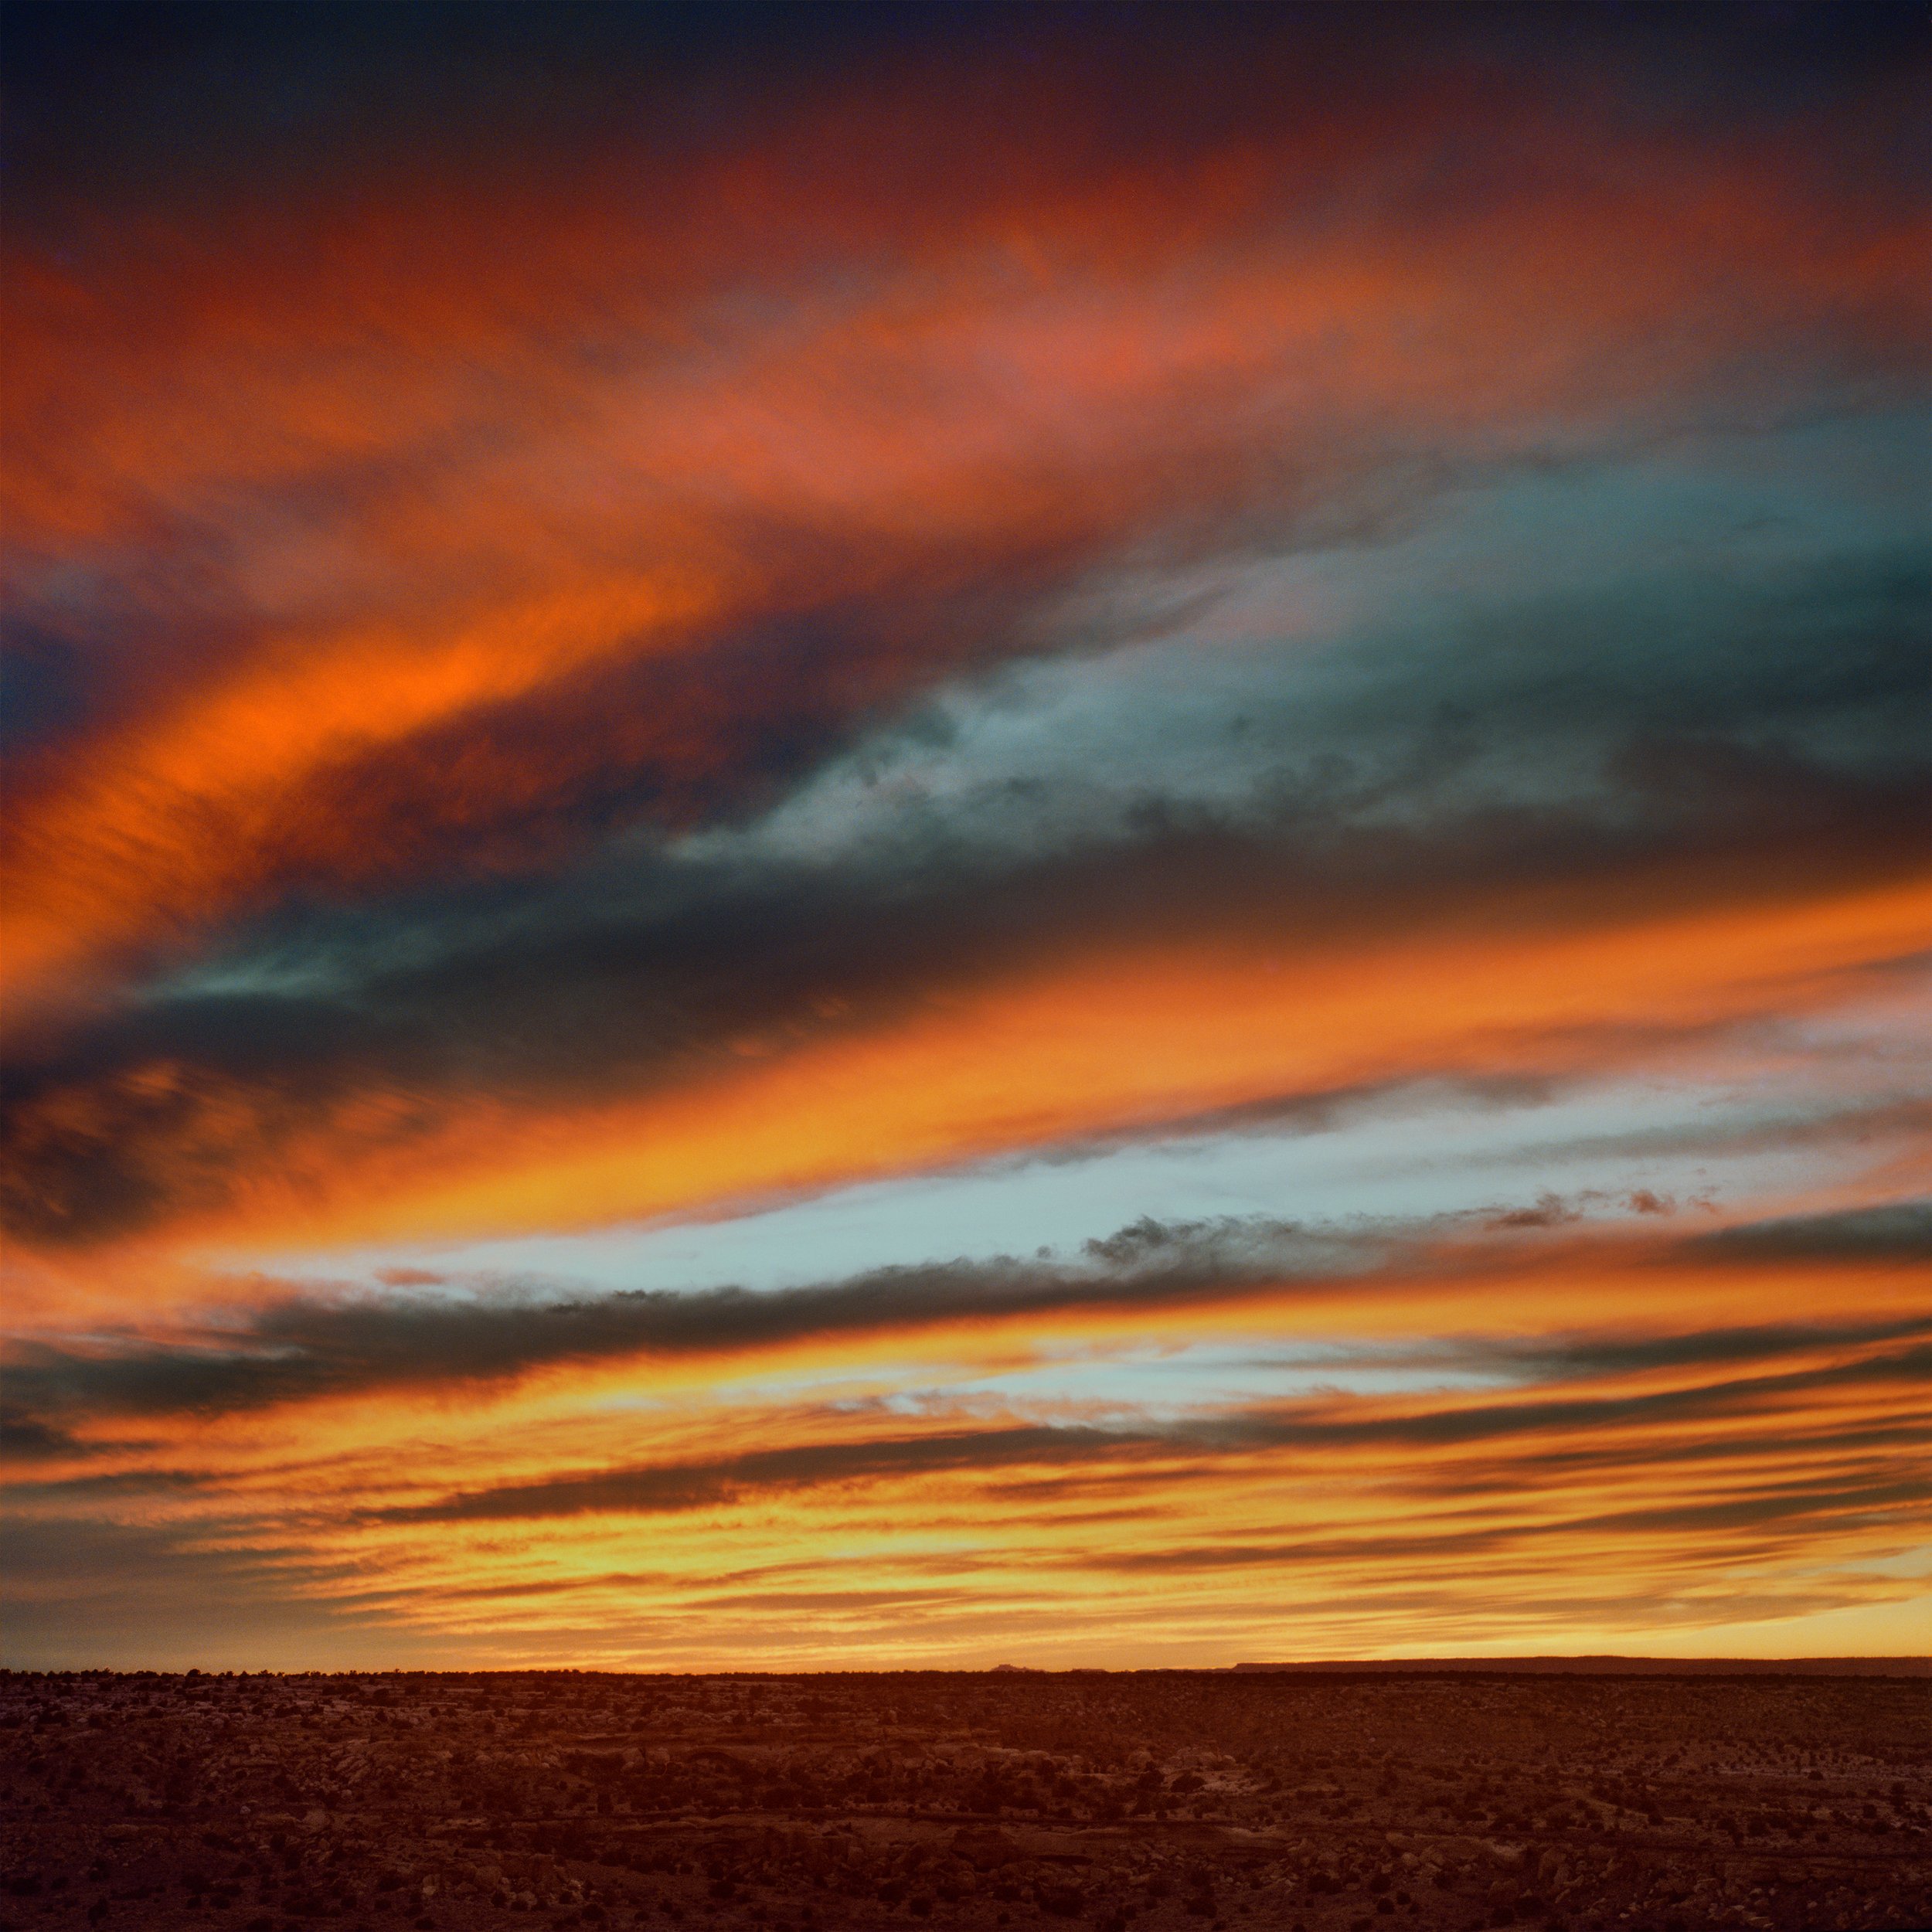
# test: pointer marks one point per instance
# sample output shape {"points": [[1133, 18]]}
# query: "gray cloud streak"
{"points": [[296, 1349], [659, 1489]]}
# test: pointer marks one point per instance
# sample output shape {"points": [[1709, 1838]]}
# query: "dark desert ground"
{"points": [[1334, 1802]]}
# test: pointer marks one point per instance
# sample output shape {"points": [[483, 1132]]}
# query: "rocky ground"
{"points": [[1165, 1799]]}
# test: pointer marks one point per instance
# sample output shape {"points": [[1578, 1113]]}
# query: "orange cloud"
{"points": [[434, 478], [1088, 1047], [1636, 1465], [422, 514]]}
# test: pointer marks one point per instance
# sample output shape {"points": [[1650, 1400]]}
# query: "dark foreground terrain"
{"points": [[1335, 1803]]}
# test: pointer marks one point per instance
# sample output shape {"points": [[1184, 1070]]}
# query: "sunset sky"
{"points": [[1078, 836]]}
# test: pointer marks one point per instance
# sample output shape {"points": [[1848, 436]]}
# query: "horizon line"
{"points": [[1581, 1664]]}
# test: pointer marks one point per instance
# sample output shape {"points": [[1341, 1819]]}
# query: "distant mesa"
{"points": [[1621, 1666], [1033, 1670]]}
